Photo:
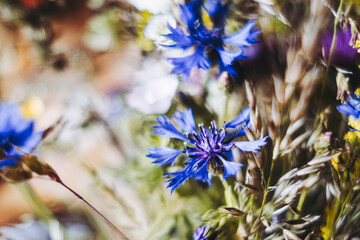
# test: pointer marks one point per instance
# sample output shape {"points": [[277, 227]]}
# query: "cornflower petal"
{"points": [[166, 128], [191, 14], [202, 174], [199, 233], [230, 168], [243, 117], [180, 177], [185, 120], [242, 131], [164, 155], [183, 65], [17, 135], [24, 132], [351, 107], [32, 141], [9, 116], [244, 37], [251, 146], [179, 37], [176, 181], [348, 110], [228, 57], [217, 12]]}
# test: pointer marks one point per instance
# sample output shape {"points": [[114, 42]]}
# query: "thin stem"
{"points": [[333, 42], [34, 202], [265, 194], [111, 225], [333, 230], [41, 210], [301, 202], [340, 213], [266, 189]]}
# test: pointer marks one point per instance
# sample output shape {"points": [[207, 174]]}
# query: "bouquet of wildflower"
{"points": [[195, 119]]}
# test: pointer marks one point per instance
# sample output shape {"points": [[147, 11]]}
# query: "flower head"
{"points": [[17, 134], [344, 52], [208, 40], [209, 150]]}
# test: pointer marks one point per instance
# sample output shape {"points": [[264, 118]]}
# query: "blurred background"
{"points": [[88, 66]]}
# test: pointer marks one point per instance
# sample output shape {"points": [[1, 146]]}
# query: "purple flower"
{"points": [[344, 55], [351, 107], [207, 149], [17, 134], [208, 41]]}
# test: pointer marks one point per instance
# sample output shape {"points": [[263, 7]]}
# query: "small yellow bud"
{"points": [[33, 107], [206, 19], [357, 45]]}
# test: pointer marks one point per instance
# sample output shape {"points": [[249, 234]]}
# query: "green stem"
{"points": [[301, 202], [40, 209], [266, 189], [333, 42], [333, 230], [119, 234], [265, 195], [35, 204]]}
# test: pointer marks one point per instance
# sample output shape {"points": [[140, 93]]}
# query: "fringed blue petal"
{"points": [[242, 131], [243, 117], [228, 57], [230, 168], [348, 110], [180, 177], [217, 12], [251, 146], [183, 65], [166, 128], [179, 37], [244, 37], [351, 107], [164, 155], [201, 173], [191, 14], [185, 120], [199, 233]]}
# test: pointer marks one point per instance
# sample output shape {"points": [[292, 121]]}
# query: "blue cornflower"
{"points": [[206, 41], [207, 150], [351, 107], [200, 234], [17, 135]]}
